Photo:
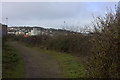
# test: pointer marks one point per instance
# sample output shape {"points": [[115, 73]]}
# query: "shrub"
{"points": [[104, 62]]}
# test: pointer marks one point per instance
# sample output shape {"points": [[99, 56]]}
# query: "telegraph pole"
{"points": [[6, 21], [64, 26]]}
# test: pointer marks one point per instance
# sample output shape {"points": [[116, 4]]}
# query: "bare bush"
{"points": [[104, 62]]}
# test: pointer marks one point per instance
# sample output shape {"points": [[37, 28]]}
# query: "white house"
{"points": [[34, 32]]}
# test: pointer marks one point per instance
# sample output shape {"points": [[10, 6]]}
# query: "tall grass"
{"points": [[12, 64]]}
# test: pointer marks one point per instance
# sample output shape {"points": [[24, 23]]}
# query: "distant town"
{"points": [[32, 31]]}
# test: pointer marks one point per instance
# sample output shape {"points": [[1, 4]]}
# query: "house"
{"points": [[34, 32], [4, 30]]}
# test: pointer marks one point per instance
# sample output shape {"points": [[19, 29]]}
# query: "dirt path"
{"points": [[37, 64]]}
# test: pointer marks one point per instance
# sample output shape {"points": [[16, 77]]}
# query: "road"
{"points": [[37, 64]]}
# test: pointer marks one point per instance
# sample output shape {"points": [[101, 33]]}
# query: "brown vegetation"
{"points": [[103, 45]]}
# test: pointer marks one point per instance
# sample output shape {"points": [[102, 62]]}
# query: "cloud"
{"points": [[0, 12], [51, 14]]}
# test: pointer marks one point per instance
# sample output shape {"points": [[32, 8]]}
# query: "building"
{"points": [[0, 30], [4, 30], [34, 32]]}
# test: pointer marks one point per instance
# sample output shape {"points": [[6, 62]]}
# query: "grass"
{"points": [[28, 45], [12, 63], [71, 67]]}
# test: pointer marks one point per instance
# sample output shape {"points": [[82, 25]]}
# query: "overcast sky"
{"points": [[52, 14]]}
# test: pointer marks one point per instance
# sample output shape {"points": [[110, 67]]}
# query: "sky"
{"points": [[53, 14]]}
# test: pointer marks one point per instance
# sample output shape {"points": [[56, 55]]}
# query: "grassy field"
{"points": [[12, 64], [71, 67]]}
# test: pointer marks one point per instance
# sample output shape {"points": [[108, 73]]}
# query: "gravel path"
{"points": [[37, 64]]}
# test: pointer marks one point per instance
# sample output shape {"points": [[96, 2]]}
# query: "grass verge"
{"points": [[71, 67], [12, 63]]}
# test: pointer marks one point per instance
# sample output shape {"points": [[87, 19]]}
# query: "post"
{"points": [[6, 21]]}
